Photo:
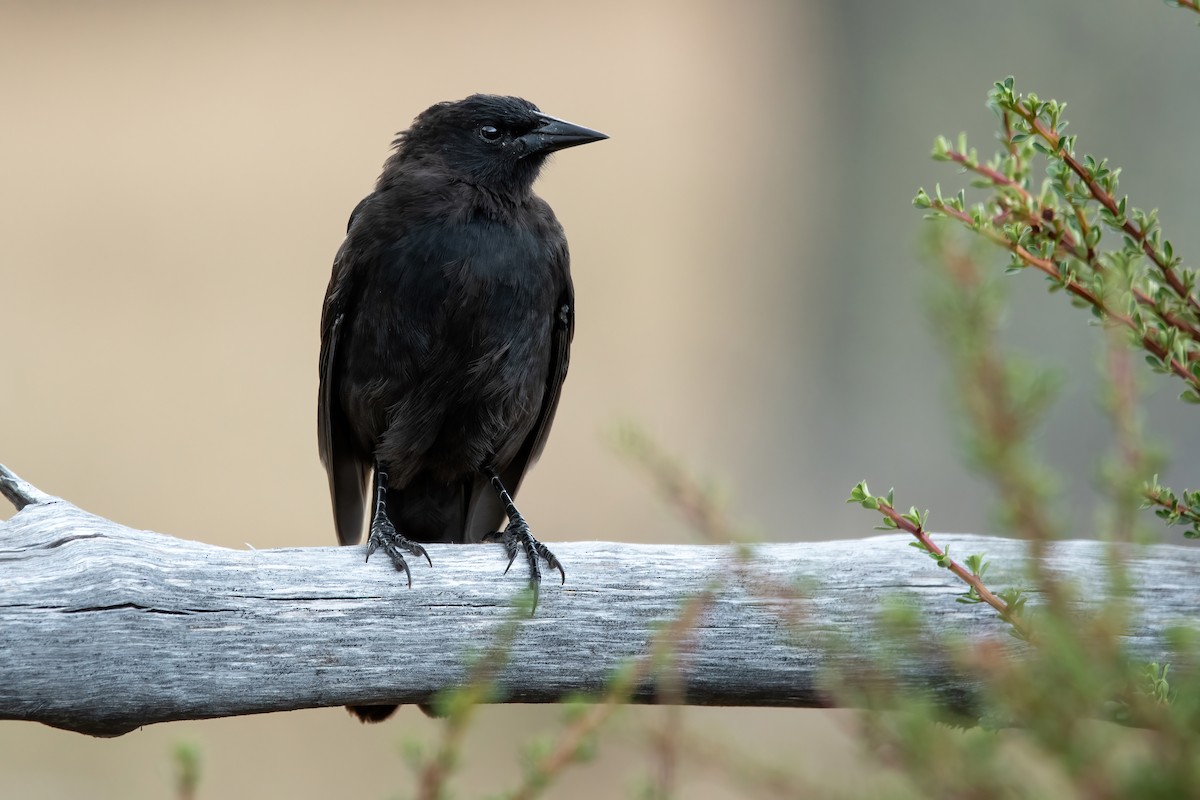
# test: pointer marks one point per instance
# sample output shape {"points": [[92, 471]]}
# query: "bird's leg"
{"points": [[384, 534], [517, 537]]}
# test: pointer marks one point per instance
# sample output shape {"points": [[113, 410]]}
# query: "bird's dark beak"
{"points": [[557, 134]]}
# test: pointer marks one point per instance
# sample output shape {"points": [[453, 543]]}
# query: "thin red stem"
{"points": [[1072, 286], [959, 570]]}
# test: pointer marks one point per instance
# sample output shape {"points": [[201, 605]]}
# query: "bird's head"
{"points": [[498, 143]]}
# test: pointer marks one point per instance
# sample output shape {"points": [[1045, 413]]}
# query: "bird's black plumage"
{"points": [[446, 332]]}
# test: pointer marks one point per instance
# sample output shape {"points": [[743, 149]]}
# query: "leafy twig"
{"points": [[1008, 605], [574, 740], [1003, 398], [698, 505], [1060, 279], [1042, 118], [1174, 509], [1127, 469], [1057, 230], [749, 773], [459, 705], [1019, 204], [187, 770]]}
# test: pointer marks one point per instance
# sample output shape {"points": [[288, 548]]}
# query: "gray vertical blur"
{"points": [[174, 180]]}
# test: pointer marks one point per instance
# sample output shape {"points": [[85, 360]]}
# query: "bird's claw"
{"points": [[517, 537], [384, 535]]}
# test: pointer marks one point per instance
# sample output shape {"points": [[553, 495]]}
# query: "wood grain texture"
{"points": [[104, 628]]}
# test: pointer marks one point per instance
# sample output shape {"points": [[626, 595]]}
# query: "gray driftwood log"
{"points": [[104, 628]]}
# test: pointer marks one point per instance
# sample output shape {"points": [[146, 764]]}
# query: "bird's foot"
{"points": [[517, 537], [384, 535]]}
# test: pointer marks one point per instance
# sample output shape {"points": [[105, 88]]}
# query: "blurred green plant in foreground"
{"points": [[1074, 716], [186, 756]]}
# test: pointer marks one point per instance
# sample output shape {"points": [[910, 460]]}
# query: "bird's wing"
{"points": [[347, 475], [485, 511]]}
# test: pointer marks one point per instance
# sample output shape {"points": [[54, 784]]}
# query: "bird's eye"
{"points": [[489, 133]]}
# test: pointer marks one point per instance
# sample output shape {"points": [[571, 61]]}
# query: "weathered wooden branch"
{"points": [[104, 628]]}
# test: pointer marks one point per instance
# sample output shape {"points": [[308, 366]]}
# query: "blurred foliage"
{"points": [[1074, 716], [187, 770]]}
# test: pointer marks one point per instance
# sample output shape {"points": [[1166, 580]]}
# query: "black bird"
{"points": [[445, 335]]}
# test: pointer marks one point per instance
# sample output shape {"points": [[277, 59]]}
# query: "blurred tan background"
{"points": [[175, 178]]}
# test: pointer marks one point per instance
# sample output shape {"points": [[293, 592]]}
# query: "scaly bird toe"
{"points": [[517, 538], [384, 535]]}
